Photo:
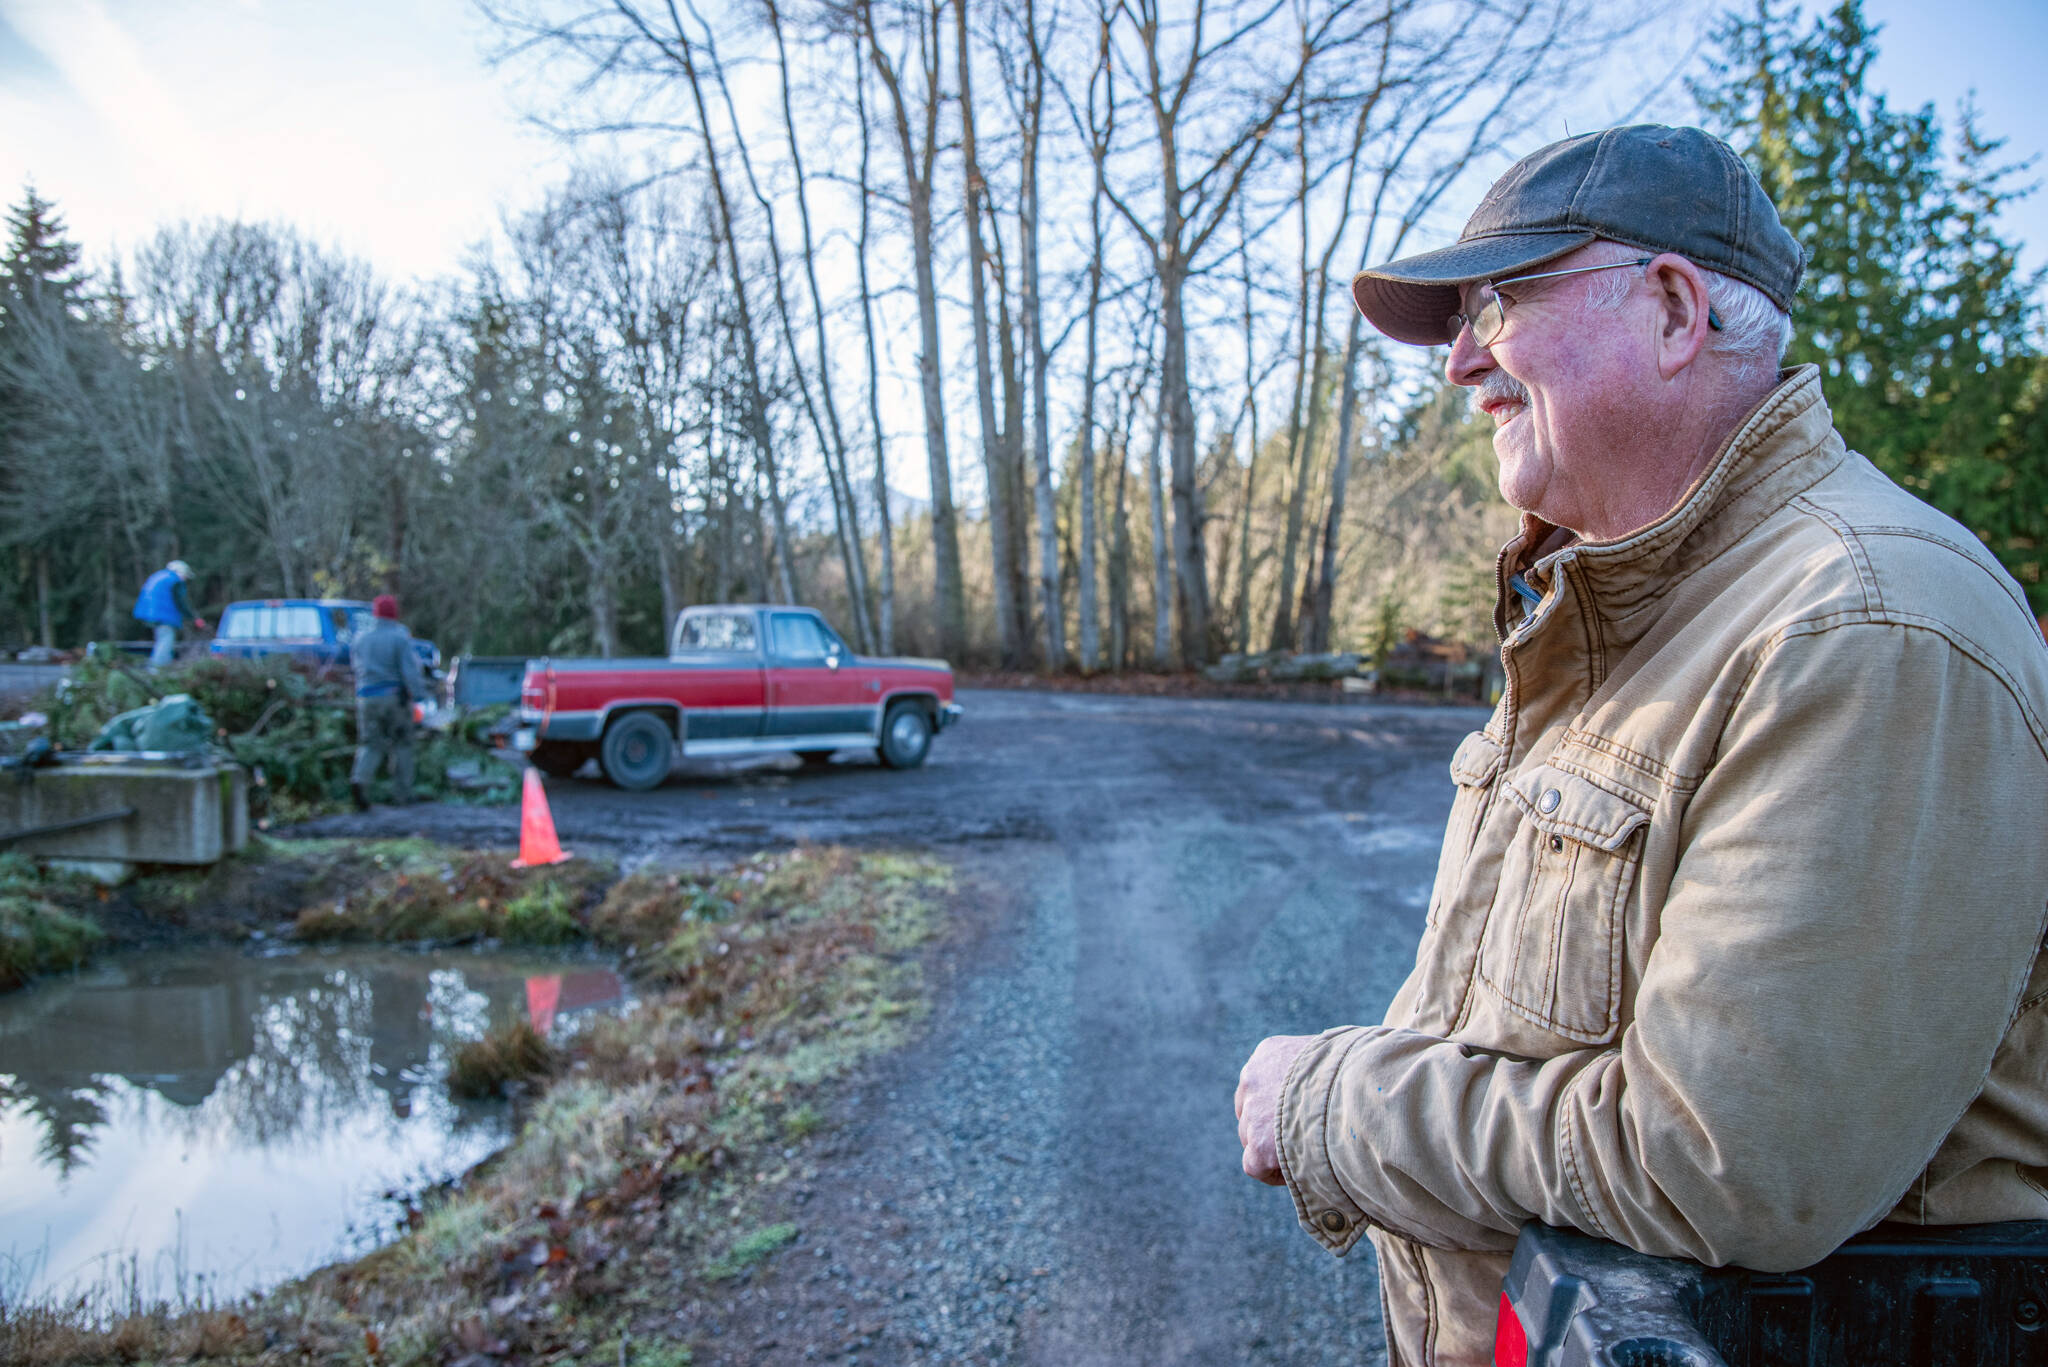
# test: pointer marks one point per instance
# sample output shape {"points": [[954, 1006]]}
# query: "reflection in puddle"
{"points": [[209, 1122], [552, 994]]}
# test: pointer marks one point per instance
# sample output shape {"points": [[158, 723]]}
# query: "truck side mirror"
{"points": [[832, 657]]}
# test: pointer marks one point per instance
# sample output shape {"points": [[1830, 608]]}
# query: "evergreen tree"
{"points": [[41, 265], [1913, 306], [41, 301]]}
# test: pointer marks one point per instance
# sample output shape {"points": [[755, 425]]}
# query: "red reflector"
{"points": [[1510, 1343]]}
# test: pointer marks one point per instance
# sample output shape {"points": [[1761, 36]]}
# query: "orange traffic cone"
{"points": [[537, 843]]}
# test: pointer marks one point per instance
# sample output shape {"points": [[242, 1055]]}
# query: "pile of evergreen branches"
{"points": [[292, 727]]}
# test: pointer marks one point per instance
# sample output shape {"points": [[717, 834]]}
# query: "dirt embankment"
{"points": [[404, 890], [53, 922]]}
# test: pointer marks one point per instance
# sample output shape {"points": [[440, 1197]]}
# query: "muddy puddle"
{"points": [[198, 1124]]}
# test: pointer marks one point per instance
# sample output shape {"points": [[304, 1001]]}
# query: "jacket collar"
{"points": [[1784, 446]]}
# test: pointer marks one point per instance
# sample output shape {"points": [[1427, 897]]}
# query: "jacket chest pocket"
{"points": [[1473, 768], [1552, 946]]}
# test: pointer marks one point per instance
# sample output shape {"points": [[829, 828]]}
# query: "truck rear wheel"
{"points": [[906, 736], [637, 752]]}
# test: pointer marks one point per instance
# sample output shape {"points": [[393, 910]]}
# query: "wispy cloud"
{"points": [[103, 75], [21, 62]]}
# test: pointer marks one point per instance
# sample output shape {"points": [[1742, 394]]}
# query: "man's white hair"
{"points": [[1755, 333]]}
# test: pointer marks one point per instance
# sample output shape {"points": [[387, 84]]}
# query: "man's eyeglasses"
{"points": [[1492, 318]]}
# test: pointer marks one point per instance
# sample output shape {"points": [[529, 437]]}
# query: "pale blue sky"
{"points": [[1994, 48], [376, 126], [372, 125]]}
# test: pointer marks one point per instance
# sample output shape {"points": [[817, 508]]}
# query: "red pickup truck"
{"points": [[740, 679]]}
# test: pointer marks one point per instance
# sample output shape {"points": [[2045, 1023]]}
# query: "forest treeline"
{"points": [[1074, 270]]}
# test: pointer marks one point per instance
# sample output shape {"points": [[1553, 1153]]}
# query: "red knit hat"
{"points": [[384, 605]]}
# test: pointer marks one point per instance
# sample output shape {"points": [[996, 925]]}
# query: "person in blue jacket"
{"points": [[163, 605]]}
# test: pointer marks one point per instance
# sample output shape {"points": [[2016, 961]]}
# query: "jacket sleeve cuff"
{"points": [[1328, 1212]]}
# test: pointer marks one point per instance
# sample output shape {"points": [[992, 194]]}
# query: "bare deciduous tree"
{"points": [[920, 151], [887, 605]]}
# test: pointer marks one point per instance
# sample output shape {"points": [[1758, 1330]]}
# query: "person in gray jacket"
{"points": [[389, 680]]}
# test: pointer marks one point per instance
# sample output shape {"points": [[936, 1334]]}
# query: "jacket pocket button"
{"points": [[1334, 1221], [1557, 844], [1548, 802]]}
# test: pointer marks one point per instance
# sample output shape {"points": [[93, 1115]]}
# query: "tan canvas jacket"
{"points": [[1735, 947]]}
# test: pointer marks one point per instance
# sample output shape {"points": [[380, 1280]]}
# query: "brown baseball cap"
{"points": [[1648, 185]]}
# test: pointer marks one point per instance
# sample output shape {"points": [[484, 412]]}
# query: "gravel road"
{"points": [[1050, 1176]]}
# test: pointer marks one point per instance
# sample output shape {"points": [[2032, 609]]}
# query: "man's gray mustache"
{"points": [[1498, 384]]}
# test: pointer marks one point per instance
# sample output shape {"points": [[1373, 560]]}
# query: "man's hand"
{"points": [[1258, 1104]]}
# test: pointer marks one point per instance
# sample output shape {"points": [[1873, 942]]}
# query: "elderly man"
{"points": [[1735, 947]]}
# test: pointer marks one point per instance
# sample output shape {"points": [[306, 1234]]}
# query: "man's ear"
{"points": [[1684, 319]]}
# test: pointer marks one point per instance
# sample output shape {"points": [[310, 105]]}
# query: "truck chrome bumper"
{"points": [[949, 713]]}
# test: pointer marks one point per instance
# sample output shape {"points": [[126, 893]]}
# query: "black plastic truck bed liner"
{"points": [[1965, 1296]]}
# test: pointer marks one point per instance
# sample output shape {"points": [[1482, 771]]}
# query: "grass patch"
{"points": [[655, 1355], [38, 937], [647, 1147], [802, 1121], [543, 914], [748, 1250], [514, 1052], [46, 1339], [421, 892], [38, 933]]}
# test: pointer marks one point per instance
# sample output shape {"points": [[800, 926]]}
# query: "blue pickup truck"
{"points": [[315, 630]]}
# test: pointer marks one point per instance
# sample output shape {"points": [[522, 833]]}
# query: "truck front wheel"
{"points": [[906, 736], [637, 751]]}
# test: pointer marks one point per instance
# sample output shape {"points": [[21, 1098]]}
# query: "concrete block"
{"points": [[183, 813], [110, 872]]}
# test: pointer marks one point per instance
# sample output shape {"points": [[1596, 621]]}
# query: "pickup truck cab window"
{"points": [[245, 624], [732, 631], [270, 623], [797, 636], [298, 624]]}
